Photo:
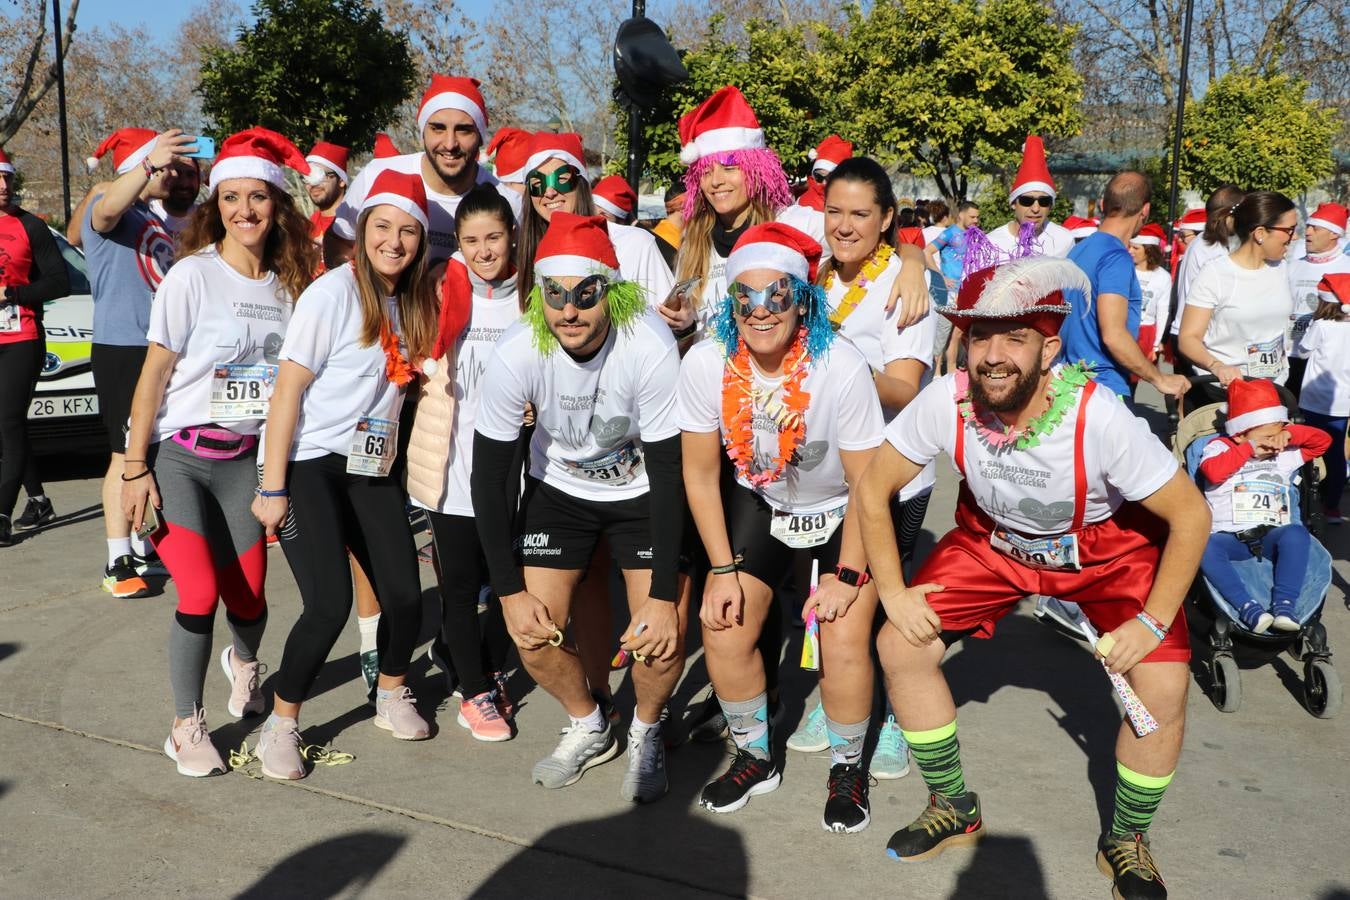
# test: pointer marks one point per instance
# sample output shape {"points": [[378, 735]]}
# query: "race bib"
{"points": [[1257, 502], [808, 529], [1300, 328], [374, 447], [9, 318], [241, 391], [1266, 359], [1056, 552], [616, 467]]}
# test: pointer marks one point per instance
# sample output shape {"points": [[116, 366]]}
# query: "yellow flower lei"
{"points": [[858, 290]]}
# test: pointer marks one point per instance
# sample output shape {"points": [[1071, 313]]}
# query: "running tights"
{"points": [[477, 647], [20, 363]]}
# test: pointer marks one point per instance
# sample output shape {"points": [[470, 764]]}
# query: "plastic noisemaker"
{"points": [[811, 641], [1141, 720]]}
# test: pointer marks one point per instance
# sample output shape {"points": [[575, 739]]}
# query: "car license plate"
{"points": [[61, 407]]}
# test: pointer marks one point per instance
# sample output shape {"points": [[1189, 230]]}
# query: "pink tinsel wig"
{"points": [[764, 178]]}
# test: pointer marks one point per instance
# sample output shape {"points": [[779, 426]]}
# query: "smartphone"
{"points": [[675, 299], [149, 522], [206, 148]]}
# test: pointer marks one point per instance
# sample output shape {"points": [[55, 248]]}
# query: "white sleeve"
{"points": [[648, 267], [656, 401], [1204, 290], [698, 397], [1163, 294], [1312, 338], [174, 308], [1133, 460], [501, 399], [859, 418], [927, 426], [344, 225], [312, 330], [912, 342]]}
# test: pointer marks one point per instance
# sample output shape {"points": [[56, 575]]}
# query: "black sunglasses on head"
{"points": [[1029, 202]]}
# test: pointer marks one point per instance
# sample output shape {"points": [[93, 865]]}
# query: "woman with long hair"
{"points": [[1214, 241], [216, 326], [332, 436]]}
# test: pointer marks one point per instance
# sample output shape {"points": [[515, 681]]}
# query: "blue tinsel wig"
{"points": [[814, 311]]}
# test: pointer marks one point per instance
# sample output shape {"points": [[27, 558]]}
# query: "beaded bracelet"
{"points": [[1152, 625], [282, 492]]}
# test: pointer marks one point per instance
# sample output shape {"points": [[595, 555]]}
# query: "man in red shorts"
{"points": [[1065, 493]]}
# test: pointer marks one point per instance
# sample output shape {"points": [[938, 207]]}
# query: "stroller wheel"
{"points": [[1225, 688], [1321, 688]]}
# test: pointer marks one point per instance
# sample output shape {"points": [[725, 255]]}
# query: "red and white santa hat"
{"points": [[1080, 227], [614, 196], [1033, 174], [5, 165], [723, 123], [1192, 220], [451, 92], [576, 245], [128, 145], [1037, 291], [1151, 235], [257, 153], [509, 150], [1335, 288], [401, 190], [1331, 216], [826, 156], [330, 156], [774, 246], [1253, 402], [384, 146], [546, 145]]}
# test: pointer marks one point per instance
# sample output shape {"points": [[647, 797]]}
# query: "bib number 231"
{"points": [[374, 446]]}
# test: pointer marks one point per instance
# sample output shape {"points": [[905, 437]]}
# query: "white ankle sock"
{"points": [[118, 547], [593, 722], [369, 627], [641, 729]]}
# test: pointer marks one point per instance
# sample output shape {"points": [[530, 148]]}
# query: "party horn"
{"points": [[811, 641], [1141, 720], [623, 657]]}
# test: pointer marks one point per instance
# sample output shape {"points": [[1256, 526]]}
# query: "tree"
{"points": [[310, 69], [1259, 132], [32, 72]]}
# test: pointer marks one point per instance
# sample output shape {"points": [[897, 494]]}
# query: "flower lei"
{"points": [[396, 367], [739, 398], [874, 266], [1062, 392]]}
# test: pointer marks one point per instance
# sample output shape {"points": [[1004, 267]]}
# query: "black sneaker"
{"points": [[6, 532], [1124, 858], [35, 514], [938, 827], [846, 809], [123, 581], [149, 564], [749, 775]]}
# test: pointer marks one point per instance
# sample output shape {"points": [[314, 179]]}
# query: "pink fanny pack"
{"points": [[215, 443]]}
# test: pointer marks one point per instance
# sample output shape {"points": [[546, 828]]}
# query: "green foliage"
{"points": [[1256, 130], [310, 69]]}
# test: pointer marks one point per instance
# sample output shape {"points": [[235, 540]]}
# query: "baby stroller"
{"points": [[1210, 615]]}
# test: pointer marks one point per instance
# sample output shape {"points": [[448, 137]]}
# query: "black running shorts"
{"points": [[558, 531], [763, 555], [116, 370]]}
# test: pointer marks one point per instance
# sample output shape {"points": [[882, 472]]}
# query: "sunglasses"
{"points": [[1028, 202], [588, 292], [776, 297], [1289, 230], [563, 180]]}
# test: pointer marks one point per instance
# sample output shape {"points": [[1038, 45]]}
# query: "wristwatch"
{"points": [[852, 577]]}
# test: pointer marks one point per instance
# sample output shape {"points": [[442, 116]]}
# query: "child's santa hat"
{"points": [[450, 92], [332, 157], [614, 196], [1335, 288], [128, 145], [1037, 291], [775, 246], [1033, 174], [257, 153], [509, 150], [576, 245], [401, 190], [1151, 235], [826, 157], [1253, 402], [1331, 216]]}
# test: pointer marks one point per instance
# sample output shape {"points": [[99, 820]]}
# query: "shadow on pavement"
{"points": [[1003, 866], [8, 649], [338, 866]]}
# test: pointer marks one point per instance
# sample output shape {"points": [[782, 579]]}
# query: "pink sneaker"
{"points": [[398, 713], [483, 719], [505, 706], [245, 698], [279, 749], [189, 745]]}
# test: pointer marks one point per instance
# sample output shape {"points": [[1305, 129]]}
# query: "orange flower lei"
{"points": [[396, 367], [740, 397]]}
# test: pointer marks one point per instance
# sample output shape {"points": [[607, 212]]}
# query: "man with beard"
{"points": [[1066, 493], [326, 184], [173, 210], [453, 121]]}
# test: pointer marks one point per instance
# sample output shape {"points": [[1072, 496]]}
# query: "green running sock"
{"points": [[1137, 799], [938, 756]]}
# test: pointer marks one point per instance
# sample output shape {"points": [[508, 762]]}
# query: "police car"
{"points": [[64, 411]]}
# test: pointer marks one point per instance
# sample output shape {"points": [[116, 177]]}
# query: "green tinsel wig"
{"points": [[627, 301]]}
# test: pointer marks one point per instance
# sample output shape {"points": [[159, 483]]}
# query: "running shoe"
{"points": [[505, 705], [439, 656], [6, 532], [189, 746], [149, 564], [891, 758], [747, 777], [279, 749], [398, 714], [370, 672], [123, 581], [579, 750], [1125, 859], [811, 737], [245, 697], [645, 780], [36, 513], [846, 809], [938, 827], [483, 719]]}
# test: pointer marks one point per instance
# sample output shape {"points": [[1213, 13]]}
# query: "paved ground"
{"points": [[90, 807]]}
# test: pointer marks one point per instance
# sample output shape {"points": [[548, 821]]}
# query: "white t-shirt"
{"points": [[843, 414], [209, 314], [1032, 491], [1155, 289], [873, 331], [441, 207], [1326, 380], [1198, 255], [1304, 273], [349, 381], [640, 260], [1277, 470], [931, 233], [1250, 315], [592, 417], [714, 292], [1054, 239], [808, 221]]}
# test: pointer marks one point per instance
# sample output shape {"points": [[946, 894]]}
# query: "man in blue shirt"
{"points": [[1104, 334]]}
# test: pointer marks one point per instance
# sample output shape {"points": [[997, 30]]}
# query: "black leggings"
{"points": [[330, 513], [477, 649], [20, 363]]}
